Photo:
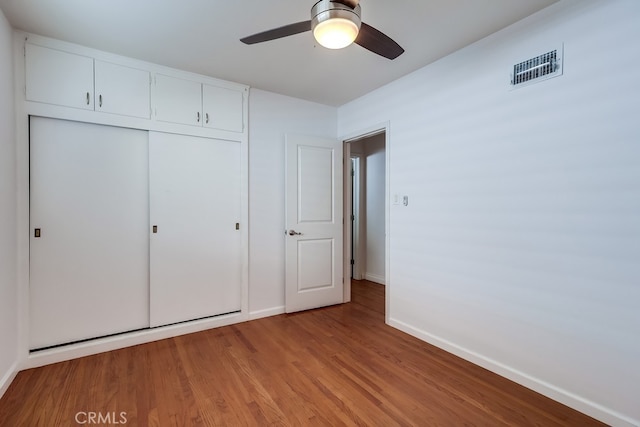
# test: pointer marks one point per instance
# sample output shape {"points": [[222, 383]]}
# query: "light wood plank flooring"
{"points": [[333, 366]]}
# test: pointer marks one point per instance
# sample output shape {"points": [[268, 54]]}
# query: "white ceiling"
{"points": [[202, 36]]}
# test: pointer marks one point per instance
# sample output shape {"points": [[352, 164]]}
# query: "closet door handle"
{"points": [[206, 118], [198, 116], [88, 98], [100, 101]]}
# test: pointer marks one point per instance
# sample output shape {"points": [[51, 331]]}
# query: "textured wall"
{"points": [[271, 117], [520, 245], [375, 207], [8, 284]]}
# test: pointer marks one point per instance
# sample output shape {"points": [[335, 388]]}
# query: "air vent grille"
{"points": [[541, 67]]}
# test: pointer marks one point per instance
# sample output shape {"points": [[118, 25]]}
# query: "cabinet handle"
{"points": [[198, 116], [100, 101], [206, 118], [88, 98]]}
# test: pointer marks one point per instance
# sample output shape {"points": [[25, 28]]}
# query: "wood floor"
{"points": [[334, 366]]}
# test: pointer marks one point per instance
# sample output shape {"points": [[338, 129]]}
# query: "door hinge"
{"points": [[353, 262]]}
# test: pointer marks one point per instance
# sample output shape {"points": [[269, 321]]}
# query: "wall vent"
{"points": [[541, 67]]}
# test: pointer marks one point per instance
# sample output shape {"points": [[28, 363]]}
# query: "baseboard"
{"points": [[565, 397], [100, 345], [8, 378], [374, 278], [267, 312]]}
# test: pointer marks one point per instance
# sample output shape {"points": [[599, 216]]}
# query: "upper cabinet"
{"points": [[222, 108], [62, 79], [57, 77], [71, 80], [177, 100], [122, 90], [199, 104]]}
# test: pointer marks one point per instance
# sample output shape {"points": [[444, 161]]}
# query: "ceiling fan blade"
{"points": [[277, 33], [378, 42]]}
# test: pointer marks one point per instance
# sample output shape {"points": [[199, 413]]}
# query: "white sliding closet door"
{"points": [[89, 206], [195, 206]]}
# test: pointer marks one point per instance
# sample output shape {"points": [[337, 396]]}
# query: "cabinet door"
{"points": [[177, 100], [122, 90], [223, 108], [195, 204], [89, 200], [61, 78]]}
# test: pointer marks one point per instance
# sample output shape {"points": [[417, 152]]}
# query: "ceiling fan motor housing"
{"points": [[326, 9]]}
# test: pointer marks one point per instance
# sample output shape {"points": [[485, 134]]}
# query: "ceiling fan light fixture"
{"points": [[335, 33], [335, 26]]}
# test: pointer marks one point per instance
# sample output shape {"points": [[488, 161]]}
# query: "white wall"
{"points": [[8, 220], [271, 116], [374, 153], [520, 246]]}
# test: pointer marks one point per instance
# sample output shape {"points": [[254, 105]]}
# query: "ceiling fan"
{"points": [[335, 24]]}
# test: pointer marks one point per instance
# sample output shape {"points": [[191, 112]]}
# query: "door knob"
{"points": [[294, 233]]}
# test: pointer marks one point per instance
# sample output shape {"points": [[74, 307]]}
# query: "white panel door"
{"points": [[122, 90], [313, 222], [196, 254], [177, 100], [89, 207], [61, 78], [223, 108]]}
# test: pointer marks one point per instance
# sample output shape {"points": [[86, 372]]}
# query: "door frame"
{"points": [[366, 132], [357, 209]]}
